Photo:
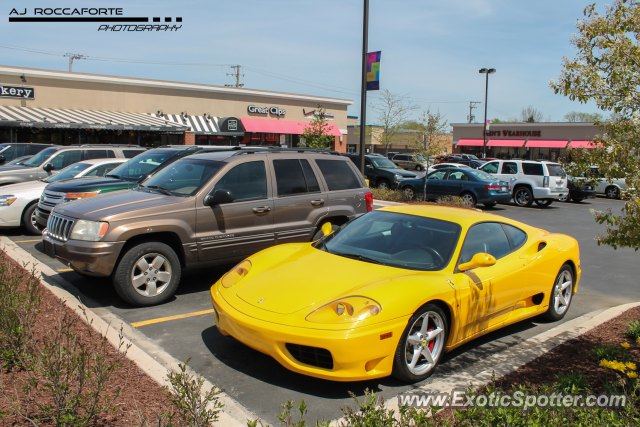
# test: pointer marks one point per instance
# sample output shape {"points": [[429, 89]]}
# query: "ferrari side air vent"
{"points": [[541, 246]]}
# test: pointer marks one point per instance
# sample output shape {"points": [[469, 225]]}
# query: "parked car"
{"points": [[446, 165], [205, 209], [390, 154], [610, 189], [578, 191], [12, 150], [54, 158], [18, 202], [539, 181], [473, 186], [473, 164], [127, 175], [18, 160], [410, 161], [451, 158], [394, 290], [381, 172]]}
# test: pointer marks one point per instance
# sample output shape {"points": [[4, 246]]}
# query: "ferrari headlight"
{"points": [[70, 197], [7, 200], [91, 231], [236, 274], [345, 310]]}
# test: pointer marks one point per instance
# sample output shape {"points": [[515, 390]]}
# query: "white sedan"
{"points": [[18, 201], [446, 165]]}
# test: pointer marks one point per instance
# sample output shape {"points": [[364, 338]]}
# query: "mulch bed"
{"points": [[574, 355], [141, 395]]}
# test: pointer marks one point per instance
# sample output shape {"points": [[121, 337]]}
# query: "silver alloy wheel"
{"points": [[612, 192], [151, 275], [425, 342], [32, 218], [521, 197], [564, 198], [562, 292], [383, 185], [409, 193], [468, 199]]}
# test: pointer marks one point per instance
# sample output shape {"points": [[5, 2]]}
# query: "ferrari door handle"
{"points": [[319, 202], [263, 209]]}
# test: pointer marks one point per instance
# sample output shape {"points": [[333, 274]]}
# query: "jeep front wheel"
{"points": [[148, 274]]}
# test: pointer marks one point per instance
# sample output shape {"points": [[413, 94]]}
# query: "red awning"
{"points": [[550, 143], [506, 143], [471, 142], [289, 127], [580, 144]]}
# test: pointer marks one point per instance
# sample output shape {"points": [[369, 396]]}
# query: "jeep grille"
{"points": [[59, 228]]}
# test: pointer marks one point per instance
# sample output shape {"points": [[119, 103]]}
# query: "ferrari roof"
{"points": [[462, 216]]}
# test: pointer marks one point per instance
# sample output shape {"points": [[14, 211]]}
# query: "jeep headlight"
{"points": [[7, 200], [345, 310], [236, 274], [91, 231]]}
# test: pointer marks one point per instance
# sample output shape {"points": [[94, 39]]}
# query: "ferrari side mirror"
{"points": [[478, 260], [327, 228]]}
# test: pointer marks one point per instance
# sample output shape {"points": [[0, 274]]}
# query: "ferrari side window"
{"points": [[516, 236], [486, 237]]}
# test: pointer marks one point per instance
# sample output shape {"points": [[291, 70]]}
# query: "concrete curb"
{"points": [[149, 357]]}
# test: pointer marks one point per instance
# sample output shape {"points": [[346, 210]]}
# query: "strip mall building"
{"points": [[59, 107], [535, 141]]}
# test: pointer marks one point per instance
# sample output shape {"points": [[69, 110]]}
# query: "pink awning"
{"points": [[290, 127], [549, 143], [580, 144], [505, 143], [471, 142]]}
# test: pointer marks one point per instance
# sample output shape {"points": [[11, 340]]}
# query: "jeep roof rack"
{"points": [[252, 150]]}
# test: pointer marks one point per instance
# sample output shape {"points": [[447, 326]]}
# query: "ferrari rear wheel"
{"points": [[421, 345], [561, 294]]}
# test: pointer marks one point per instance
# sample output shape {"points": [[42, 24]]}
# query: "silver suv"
{"points": [[53, 159], [539, 181]]}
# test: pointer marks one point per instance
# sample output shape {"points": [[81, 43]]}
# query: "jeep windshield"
{"points": [[39, 158], [382, 162], [142, 165], [183, 178]]}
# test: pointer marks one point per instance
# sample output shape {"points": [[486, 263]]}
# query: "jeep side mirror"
{"points": [[219, 197], [2, 159], [478, 260], [48, 167]]}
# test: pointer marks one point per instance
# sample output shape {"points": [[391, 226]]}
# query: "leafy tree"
{"points": [[393, 110], [432, 139], [316, 133], [606, 72], [575, 116]]}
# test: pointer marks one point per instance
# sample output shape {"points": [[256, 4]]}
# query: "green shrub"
{"points": [[610, 352], [633, 330], [571, 383], [454, 202], [389, 195]]}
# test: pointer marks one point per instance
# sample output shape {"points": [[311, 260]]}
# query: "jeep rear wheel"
{"points": [[148, 274]]}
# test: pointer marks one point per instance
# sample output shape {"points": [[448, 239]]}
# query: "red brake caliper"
{"points": [[433, 342]]}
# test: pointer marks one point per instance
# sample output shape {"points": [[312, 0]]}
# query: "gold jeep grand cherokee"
{"points": [[205, 209]]}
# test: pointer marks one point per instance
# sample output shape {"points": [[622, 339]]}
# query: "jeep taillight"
{"points": [[369, 200]]}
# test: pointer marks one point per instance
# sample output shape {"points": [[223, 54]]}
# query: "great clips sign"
{"points": [[17, 92]]}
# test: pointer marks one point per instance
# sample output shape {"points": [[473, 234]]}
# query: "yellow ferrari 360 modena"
{"points": [[394, 289]]}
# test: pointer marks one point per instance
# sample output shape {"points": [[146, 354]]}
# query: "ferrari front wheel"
{"points": [[421, 345], [561, 294]]}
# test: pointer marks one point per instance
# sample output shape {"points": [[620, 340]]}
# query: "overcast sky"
{"points": [[431, 50]]}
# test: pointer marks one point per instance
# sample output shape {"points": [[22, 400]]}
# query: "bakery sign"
{"points": [[17, 92], [276, 111]]}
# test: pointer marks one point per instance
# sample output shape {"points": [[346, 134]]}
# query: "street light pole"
{"points": [[486, 72], [363, 94]]}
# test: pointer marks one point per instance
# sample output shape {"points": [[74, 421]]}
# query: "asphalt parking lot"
{"points": [[262, 385]]}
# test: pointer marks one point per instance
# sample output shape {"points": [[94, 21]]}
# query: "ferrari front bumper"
{"points": [[358, 354]]}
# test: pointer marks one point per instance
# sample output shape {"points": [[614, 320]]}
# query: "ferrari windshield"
{"points": [[396, 240]]}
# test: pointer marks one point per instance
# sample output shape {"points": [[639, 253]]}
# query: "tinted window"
{"points": [[246, 181], [39, 158], [7, 152], [66, 158], [309, 176], [516, 236], [532, 169], [488, 238], [555, 170], [491, 167], [481, 175], [185, 177], [35, 149], [509, 168], [382, 162], [437, 175], [102, 169], [98, 154], [338, 175], [400, 157], [131, 153], [289, 177], [398, 240]]}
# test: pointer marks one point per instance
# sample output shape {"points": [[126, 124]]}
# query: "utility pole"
{"points": [[363, 94], [472, 105], [237, 75], [73, 56]]}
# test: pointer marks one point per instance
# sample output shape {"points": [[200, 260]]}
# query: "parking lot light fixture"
{"points": [[486, 72]]}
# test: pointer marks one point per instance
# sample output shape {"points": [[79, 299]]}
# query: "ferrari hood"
{"points": [[310, 278]]}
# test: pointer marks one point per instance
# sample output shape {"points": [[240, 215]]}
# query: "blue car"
{"points": [[474, 186]]}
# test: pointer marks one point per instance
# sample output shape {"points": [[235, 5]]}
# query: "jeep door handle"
{"points": [[317, 202], [263, 209]]}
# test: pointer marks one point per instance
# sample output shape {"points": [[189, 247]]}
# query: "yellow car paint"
{"points": [[268, 306]]}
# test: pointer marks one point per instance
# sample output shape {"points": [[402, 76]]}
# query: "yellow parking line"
{"points": [[65, 269], [27, 241], [166, 319]]}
